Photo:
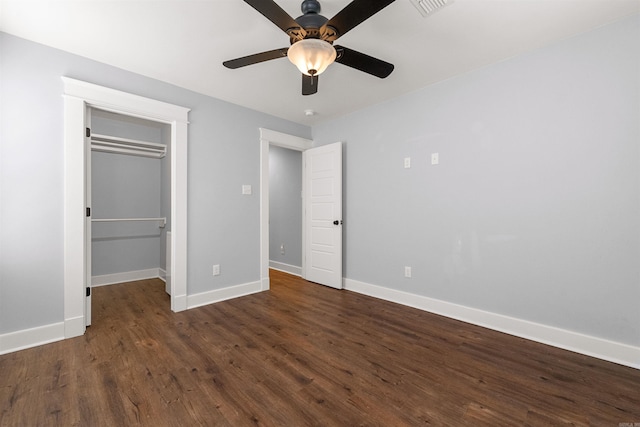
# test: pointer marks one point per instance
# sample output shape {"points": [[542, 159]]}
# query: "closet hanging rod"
{"points": [[113, 144], [163, 220], [107, 148]]}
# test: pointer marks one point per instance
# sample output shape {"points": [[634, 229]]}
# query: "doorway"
{"points": [[322, 202], [80, 96], [267, 139]]}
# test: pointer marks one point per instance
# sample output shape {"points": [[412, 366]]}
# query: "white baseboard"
{"points": [[26, 338], [287, 268], [127, 276], [217, 295], [622, 354], [162, 275]]}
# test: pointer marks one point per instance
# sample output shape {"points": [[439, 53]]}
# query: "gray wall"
{"points": [[224, 154], [285, 205], [533, 211], [126, 187]]}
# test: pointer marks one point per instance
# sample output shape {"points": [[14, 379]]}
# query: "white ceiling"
{"points": [[184, 42]]}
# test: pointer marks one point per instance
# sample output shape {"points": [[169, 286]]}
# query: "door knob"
{"points": [[336, 222]]}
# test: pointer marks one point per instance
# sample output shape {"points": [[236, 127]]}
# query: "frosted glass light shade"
{"points": [[311, 56]]}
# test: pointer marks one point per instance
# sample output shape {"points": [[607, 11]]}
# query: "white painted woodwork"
{"points": [[323, 207], [78, 96], [74, 216]]}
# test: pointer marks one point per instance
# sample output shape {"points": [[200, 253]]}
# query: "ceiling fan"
{"points": [[312, 35]]}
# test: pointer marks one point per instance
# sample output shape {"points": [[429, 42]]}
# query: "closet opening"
{"points": [[128, 185], [79, 99]]}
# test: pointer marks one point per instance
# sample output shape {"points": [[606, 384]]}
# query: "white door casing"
{"points": [[323, 214], [79, 95]]}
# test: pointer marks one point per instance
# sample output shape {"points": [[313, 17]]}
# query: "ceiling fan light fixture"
{"points": [[311, 56]]}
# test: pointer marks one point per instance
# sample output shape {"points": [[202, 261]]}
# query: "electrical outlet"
{"points": [[282, 249], [407, 162], [216, 270], [407, 271]]}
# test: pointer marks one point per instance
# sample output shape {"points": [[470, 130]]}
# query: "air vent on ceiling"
{"points": [[429, 7]]}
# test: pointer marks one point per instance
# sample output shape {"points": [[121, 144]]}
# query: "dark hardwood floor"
{"points": [[302, 354]]}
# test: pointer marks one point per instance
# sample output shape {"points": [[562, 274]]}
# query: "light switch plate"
{"points": [[246, 189]]}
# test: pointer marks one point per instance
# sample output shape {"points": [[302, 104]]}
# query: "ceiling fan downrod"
{"points": [[311, 20], [310, 6]]}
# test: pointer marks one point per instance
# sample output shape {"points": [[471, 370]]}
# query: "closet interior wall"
{"points": [[127, 186]]}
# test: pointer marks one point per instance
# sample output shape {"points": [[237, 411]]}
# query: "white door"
{"points": [[88, 214], [323, 214]]}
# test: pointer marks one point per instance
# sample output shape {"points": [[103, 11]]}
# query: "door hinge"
{"points": [[88, 291], [88, 132], [88, 211]]}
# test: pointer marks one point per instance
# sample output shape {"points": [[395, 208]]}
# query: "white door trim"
{"points": [[267, 138], [77, 96]]}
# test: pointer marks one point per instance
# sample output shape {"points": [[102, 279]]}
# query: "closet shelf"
{"points": [[162, 220], [114, 144]]}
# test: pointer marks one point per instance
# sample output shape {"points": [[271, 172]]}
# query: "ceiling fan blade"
{"points": [[363, 62], [278, 16], [353, 14], [309, 84], [256, 58]]}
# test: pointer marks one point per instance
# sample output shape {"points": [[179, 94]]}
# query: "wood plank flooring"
{"points": [[302, 355]]}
